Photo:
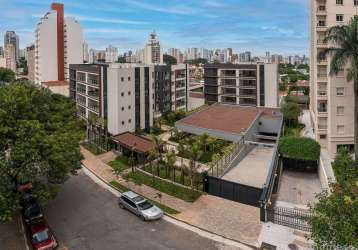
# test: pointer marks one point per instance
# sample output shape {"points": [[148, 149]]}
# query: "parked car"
{"points": [[41, 236], [31, 210], [139, 206]]}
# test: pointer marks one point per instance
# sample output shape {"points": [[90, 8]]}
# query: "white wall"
{"points": [[271, 85], [74, 43]]}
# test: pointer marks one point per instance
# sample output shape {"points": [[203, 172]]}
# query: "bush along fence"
{"points": [[219, 165], [181, 176]]}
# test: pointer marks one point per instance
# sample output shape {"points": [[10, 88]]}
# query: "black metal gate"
{"points": [[290, 217], [232, 191]]}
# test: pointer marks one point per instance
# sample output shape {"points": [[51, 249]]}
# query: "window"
{"points": [[340, 91], [322, 137], [339, 18], [122, 79], [122, 108], [339, 2], [129, 78], [122, 94], [129, 93], [340, 129], [122, 122], [340, 110], [129, 121], [355, 2]]}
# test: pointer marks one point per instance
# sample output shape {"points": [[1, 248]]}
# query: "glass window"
{"points": [[122, 79], [340, 91], [339, 2], [322, 137], [339, 18], [340, 129], [340, 110]]}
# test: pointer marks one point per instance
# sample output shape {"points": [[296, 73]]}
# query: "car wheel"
{"points": [[121, 205], [142, 218]]}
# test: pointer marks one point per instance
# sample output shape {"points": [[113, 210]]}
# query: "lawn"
{"points": [[185, 194], [120, 164], [93, 148], [122, 189]]}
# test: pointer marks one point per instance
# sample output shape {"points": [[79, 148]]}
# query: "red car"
{"points": [[41, 237]]}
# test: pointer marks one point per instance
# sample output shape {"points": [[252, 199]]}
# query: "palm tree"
{"points": [[194, 152], [170, 159], [204, 138], [159, 144], [344, 52]]}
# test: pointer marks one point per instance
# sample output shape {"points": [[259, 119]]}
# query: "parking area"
{"points": [[12, 235], [253, 169], [298, 188]]}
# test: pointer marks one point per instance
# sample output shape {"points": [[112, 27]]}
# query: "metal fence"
{"points": [[290, 217], [232, 191]]}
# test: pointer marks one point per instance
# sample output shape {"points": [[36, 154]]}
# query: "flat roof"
{"points": [[134, 142], [253, 169], [233, 119]]}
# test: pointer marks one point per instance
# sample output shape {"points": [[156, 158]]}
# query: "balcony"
{"points": [[321, 77], [321, 25], [321, 10], [321, 44]]}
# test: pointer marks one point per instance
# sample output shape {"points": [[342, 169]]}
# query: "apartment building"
{"points": [[10, 56], [88, 88], [179, 87], [111, 54], [332, 97], [59, 43], [152, 53], [11, 37], [30, 52], [243, 84]]}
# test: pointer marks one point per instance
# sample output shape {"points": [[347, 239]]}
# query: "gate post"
{"points": [[205, 182], [263, 212]]}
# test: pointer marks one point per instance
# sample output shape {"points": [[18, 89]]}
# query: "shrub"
{"points": [[291, 111], [299, 148]]}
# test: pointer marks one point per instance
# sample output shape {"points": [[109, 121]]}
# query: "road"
{"points": [[86, 216]]}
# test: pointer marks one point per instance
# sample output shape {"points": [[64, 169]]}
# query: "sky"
{"points": [[278, 26]]}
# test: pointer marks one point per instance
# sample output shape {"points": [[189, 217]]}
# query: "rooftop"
{"points": [[134, 142], [55, 83]]}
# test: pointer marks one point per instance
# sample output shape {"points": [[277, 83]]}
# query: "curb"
{"points": [[176, 219]]}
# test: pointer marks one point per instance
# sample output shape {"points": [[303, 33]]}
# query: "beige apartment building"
{"points": [[332, 97]]}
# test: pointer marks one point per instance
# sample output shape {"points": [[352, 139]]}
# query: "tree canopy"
{"points": [[169, 60], [7, 75], [291, 111], [39, 142], [335, 215]]}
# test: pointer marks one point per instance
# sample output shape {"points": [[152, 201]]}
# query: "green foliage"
{"points": [[183, 193], [299, 148], [39, 141], [170, 118], [169, 60], [121, 59], [119, 186], [23, 64], [7, 75], [291, 111], [156, 129], [196, 61], [120, 164], [93, 148], [335, 216]]}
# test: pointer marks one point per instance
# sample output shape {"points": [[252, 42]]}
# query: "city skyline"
{"points": [[126, 24]]}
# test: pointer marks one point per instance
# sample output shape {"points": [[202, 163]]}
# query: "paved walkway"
{"points": [[229, 219], [12, 235], [305, 119]]}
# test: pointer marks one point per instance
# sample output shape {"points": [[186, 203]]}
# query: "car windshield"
{"points": [[40, 236], [33, 210], [144, 205]]}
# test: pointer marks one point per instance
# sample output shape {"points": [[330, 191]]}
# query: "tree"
{"points": [[204, 139], [345, 53], [170, 159], [194, 153], [291, 111], [121, 59], [39, 142], [7, 75], [335, 216], [159, 147], [169, 60]]}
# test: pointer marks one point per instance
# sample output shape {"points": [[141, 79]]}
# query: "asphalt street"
{"points": [[86, 216]]}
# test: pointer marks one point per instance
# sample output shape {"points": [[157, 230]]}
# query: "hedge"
{"points": [[299, 148]]}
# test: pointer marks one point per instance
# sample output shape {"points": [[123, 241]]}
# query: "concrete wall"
{"points": [[271, 85]]}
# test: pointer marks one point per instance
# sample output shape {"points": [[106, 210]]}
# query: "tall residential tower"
{"points": [[332, 97]]}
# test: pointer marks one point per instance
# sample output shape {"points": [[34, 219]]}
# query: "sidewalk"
{"points": [[226, 218], [12, 235]]}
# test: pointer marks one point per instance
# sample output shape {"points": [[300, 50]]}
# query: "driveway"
{"points": [[86, 216]]}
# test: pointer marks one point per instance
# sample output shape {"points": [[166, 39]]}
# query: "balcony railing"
{"points": [[322, 126], [322, 92], [322, 110]]}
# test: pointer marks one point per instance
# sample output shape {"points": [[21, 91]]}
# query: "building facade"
{"points": [[152, 53], [332, 97], [111, 54], [12, 38], [180, 87], [243, 84], [10, 56], [59, 43], [30, 52]]}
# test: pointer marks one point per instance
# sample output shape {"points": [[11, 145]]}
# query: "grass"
{"points": [[183, 193], [93, 148], [119, 164], [116, 185]]}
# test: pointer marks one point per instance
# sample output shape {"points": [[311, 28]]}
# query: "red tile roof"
{"points": [[227, 118], [55, 83], [135, 142]]}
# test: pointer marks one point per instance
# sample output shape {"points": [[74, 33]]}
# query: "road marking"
{"points": [[203, 233]]}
